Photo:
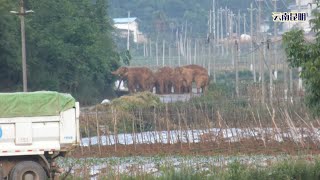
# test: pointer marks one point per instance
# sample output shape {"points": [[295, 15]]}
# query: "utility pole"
{"points": [[226, 13], [230, 24], [239, 33], [236, 67], [21, 14], [275, 33], [210, 26], [214, 20], [209, 64], [144, 49], [128, 36], [179, 58], [157, 54], [252, 65], [218, 28], [195, 52], [299, 69], [169, 52], [259, 19], [150, 49], [291, 83], [231, 32], [163, 51], [221, 30], [244, 23], [285, 80], [270, 72], [262, 71]]}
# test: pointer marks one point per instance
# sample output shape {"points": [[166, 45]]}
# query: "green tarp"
{"points": [[40, 103]]}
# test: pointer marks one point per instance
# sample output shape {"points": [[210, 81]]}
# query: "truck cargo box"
{"points": [[38, 122]]}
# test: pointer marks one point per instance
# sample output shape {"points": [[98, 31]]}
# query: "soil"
{"points": [[247, 147]]}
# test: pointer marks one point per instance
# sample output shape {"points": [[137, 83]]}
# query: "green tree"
{"points": [[71, 48], [10, 58], [305, 54]]}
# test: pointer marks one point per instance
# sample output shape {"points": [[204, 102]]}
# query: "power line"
{"points": [[266, 2], [284, 4]]}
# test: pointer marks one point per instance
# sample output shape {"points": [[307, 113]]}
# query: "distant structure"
{"points": [[305, 6], [123, 24]]}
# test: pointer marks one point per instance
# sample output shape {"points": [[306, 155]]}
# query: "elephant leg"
{"points": [[131, 86], [161, 87]]}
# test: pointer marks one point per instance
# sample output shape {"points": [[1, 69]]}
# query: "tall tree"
{"points": [[10, 61], [305, 54]]}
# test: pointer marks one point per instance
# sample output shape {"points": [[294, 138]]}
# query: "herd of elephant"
{"points": [[165, 79]]}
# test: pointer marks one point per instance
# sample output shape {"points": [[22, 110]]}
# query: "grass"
{"points": [[298, 168]]}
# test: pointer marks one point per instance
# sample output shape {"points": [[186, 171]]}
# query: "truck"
{"points": [[35, 129]]}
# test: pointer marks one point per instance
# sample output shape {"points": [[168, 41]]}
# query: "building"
{"points": [[123, 24], [305, 6]]}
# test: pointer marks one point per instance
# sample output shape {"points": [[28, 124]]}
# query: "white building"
{"points": [[305, 6], [124, 24]]}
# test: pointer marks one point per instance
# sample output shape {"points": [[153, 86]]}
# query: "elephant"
{"points": [[139, 78], [182, 79], [200, 76], [163, 80]]}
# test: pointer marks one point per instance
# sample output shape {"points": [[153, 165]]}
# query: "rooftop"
{"points": [[124, 20]]}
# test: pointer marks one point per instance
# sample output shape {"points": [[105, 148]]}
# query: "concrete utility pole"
{"points": [[259, 19], [236, 67], [275, 33], [144, 49], [128, 36], [214, 20], [262, 70], [252, 65], [231, 32], [163, 51], [291, 83], [285, 80], [218, 29], [21, 14], [221, 31], [195, 52], [23, 44], [238, 29], [210, 26], [157, 54], [179, 57], [299, 69], [150, 49], [270, 72], [209, 64], [244, 24], [169, 52], [230, 24], [227, 20]]}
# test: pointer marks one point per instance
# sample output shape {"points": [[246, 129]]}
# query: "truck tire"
{"points": [[27, 170]]}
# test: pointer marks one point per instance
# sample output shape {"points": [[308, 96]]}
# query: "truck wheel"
{"points": [[27, 170]]}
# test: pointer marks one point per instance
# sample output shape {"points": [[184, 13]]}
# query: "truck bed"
{"points": [[40, 134]]}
